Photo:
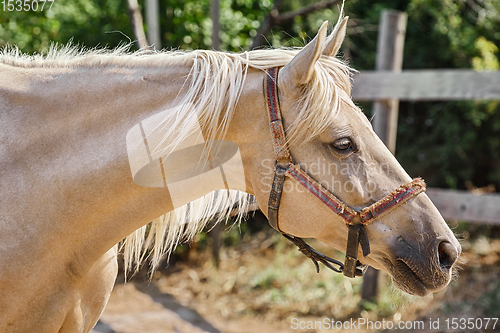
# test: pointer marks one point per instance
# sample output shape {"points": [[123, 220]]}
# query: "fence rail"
{"points": [[463, 205], [425, 85]]}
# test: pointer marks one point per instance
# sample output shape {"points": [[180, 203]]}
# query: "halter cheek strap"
{"points": [[355, 220]]}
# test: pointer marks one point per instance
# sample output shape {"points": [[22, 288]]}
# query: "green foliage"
{"points": [[188, 25], [185, 24], [488, 59], [451, 143], [89, 23]]}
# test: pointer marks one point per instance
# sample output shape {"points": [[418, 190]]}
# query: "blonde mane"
{"points": [[215, 83]]}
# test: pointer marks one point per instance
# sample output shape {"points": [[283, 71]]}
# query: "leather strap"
{"points": [[281, 152], [283, 165], [275, 197], [355, 236], [355, 220], [367, 214]]}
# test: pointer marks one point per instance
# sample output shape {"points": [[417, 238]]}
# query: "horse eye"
{"points": [[344, 144]]}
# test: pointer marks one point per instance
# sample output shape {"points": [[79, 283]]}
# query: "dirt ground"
{"points": [[263, 286]]}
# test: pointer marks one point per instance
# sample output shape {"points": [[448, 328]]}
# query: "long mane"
{"points": [[215, 83]]}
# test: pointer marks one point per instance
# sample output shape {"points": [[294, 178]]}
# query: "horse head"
{"points": [[330, 143]]}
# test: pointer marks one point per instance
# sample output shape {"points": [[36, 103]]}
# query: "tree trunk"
{"points": [[137, 24]]}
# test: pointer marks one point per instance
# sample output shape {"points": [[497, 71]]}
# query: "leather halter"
{"points": [[355, 220]]}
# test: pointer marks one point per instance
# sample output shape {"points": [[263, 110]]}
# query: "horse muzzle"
{"points": [[419, 269]]}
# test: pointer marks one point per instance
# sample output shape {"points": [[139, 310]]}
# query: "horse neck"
{"points": [[75, 122], [69, 164]]}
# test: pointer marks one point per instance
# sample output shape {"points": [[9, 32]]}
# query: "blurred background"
{"points": [[246, 278]]}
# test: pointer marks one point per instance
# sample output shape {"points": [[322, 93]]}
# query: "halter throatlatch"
{"points": [[355, 220]]}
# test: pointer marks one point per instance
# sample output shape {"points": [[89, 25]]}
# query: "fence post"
{"points": [[390, 44], [137, 24], [217, 229], [153, 23], [215, 13]]}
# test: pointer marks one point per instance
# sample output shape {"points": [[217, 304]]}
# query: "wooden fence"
{"points": [[434, 85], [386, 84]]}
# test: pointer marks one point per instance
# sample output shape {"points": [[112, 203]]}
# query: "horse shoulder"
{"points": [[62, 298]]}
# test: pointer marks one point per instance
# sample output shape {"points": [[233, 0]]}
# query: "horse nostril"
{"points": [[447, 255]]}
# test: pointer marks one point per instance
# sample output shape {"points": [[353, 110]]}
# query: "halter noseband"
{"points": [[355, 220]]}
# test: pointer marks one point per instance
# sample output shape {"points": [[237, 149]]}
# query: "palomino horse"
{"points": [[95, 145]]}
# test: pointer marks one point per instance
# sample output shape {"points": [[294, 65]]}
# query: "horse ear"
{"points": [[300, 69], [336, 38]]}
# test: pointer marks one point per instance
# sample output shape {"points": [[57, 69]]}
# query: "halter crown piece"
{"points": [[355, 220]]}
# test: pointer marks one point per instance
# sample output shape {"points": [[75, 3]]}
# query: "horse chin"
{"points": [[405, 279], [403, 275]]}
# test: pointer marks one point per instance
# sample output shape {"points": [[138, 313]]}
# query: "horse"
{"points": [[97, 144]]}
